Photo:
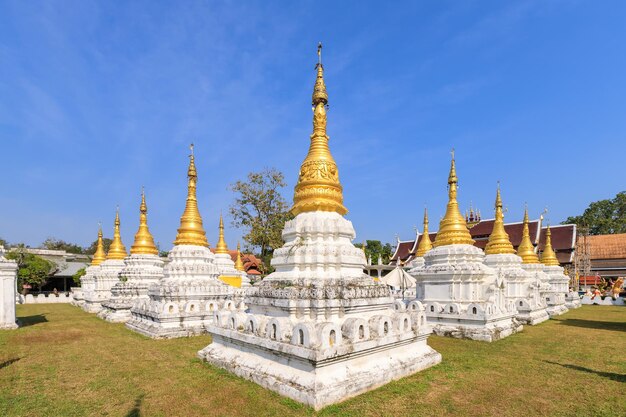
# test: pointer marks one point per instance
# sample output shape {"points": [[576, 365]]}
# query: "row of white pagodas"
{"points": [[182, 302], [318, 329], [8, 290]]}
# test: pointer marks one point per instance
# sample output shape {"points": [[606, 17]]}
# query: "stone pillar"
{"points": [[8, 281]]}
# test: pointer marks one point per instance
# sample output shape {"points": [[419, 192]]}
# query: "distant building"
{"points": [[65, 266], [608, 255]]}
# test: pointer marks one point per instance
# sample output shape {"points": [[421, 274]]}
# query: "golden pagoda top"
{"points": [[499, 240], [548, 257], [117, 250], [99, 256], [191, 231], [221, 246], [452, 228], [425, 243], [526, 250], [318, 187], [144, 242], [238, 262]]}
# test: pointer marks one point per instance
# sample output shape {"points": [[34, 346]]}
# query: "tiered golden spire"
{"points": [[99, 256], [452, 228], [191, 231], [499, 240], [318, 187], [526, 250], [221, 246], [144, 242], [238, 262], [548, 257], [425, 243], [117, 250]]}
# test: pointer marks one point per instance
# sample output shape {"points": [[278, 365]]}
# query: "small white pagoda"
{"points": [[182, 302], [106, 274], [8, 288], [229, 272], [522, 288], [141, 269], [559, 282], [319, 330], [463, 297], [424, 245]]}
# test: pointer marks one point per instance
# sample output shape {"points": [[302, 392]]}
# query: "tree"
{"points": [[604, 216], [77, 275], [106, 242], [32, 269], [4, 243], [261, 210], [58, 244], [375, 248]]}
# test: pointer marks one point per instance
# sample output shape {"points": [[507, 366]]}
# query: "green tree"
{"points": [[77, 275], [106, 242], [375, 248], [58, 244], [261, 210], [4, 243], [604, 216], [32, 269]]}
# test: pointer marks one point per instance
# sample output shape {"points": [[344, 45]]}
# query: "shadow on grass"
{"points": [[610, 375], [136, 410], [9, 362], [592, 324], [32, 320]]}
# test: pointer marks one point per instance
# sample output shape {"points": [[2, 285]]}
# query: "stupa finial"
{"points": [[499, 242], [191, 231], [526, 250], [221, 246], [425, 243], [144, 242], [99, 256], [117, 250], [318, 187], [238, 262], [548, 257]]}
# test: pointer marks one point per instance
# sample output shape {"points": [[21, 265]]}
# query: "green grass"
{"points": [[65, 362]]}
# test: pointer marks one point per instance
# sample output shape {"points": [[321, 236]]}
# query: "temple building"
{"points": [[141, 269], [463, 297], [607, 255], [318, 329], [228, 272], [106, 275], [182, 302], [8, 286]]}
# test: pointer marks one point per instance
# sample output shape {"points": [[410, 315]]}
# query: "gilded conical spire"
{"points": [[526, 250], [318, 187], [425, 243], [499, 240], [238, 262], [548, 257], [452, 228], [117, 249], [191, 231], [221, 246], [144, 242], [99, 256]]}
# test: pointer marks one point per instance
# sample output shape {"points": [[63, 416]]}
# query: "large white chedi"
{"points": [[462, 296], [319, 330], [141, 269], [8, 282], [103, 277], [182, 302]]}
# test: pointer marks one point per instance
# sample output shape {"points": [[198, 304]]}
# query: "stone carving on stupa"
{"points": [[87, 283], [424, 245], [522, 288], [141, 269], [462, 296], [106, 275], [182, 302], [226, 267], [8, 290], [318, 329], [559, 282]]}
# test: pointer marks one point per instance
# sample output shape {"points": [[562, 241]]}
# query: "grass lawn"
{"points": [[65, 362]]}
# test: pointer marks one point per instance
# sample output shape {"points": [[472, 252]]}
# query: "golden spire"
{"points": [[499, 240], [548, 257], [526, 250], [99, 256], [144, 242], [117, 249], [452, 228], [221, 244], [238, 262], [191, 231], [318, 187], [425, 244]]}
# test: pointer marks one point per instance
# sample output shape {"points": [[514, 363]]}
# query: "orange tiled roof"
{"points": [[607, 246]]}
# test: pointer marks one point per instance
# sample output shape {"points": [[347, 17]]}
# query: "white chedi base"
{"points": [[104, 278], [522, 288], [573, 300], [463, 297], [87, 286], [182, 303], [139, 272], [318, 330], [555, 301], [559, 284], [8, 282]]}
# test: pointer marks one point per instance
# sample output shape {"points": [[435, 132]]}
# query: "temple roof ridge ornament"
{"points": [[117, 250], [499, 242], [191, 231], [144, 241]]}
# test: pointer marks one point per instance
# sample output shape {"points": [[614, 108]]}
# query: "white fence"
{"points": [[44, 299], [607, 301]]}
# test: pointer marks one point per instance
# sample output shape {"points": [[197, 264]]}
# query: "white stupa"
{"points": [[182, 302], [141, 269], [559, 282], [231, 274], [424, 245], [8, 289], [463, 297], [87, 282], [319, 330]]}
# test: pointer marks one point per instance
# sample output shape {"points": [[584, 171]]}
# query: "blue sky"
{"points": [[100, 98]]}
